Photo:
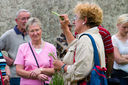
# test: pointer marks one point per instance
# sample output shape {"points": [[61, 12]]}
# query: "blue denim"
{"points": [[14, 81]]}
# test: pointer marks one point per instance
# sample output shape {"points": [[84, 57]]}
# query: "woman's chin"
{"points": [[35, 40]]}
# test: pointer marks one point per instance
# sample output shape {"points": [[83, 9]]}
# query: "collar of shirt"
{"points": [[18, 31], [94, 30]]}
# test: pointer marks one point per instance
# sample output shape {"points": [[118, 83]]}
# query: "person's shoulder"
{"points": [[9, 31], [84, 38], [7, 34], [23, 45], [103, 30], [113, 36], [48, 44]]}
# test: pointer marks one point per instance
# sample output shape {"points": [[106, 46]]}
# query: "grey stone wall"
{"points": [[51, 27]]}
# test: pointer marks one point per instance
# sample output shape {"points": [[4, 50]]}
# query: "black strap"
{"points": [[35, 58], [34, 55]]}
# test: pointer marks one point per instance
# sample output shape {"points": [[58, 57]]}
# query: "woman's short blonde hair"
{"points": [[122, 19], [32, 21], [92, 11]]}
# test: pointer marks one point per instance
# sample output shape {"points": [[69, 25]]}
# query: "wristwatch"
{"points": [[41, 69], [62, 68]]}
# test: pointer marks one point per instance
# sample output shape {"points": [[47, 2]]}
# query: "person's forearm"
{"points": [[110, 62], [47, 71], [69, 36], [121, 60], [126, 56], [7, 70], [23, 73]]}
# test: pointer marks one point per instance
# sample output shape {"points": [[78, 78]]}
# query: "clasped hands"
{"points": [[37, 74]]}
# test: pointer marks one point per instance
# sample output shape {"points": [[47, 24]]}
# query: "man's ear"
{"points": [[16, 20]]}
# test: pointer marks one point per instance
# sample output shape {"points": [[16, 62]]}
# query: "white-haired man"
{"points": [[11, 40]]}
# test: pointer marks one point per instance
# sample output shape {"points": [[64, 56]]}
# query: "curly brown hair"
{"points": [[92, 11]]}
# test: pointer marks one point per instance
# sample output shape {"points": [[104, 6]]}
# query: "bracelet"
{"points": [[62, 68]]}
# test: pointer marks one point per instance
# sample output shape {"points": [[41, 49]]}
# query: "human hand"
{"points": [[6, 80], [65, 22], [126, 56], [35, 73], [57, 64], [8, 60], [42, 77]]}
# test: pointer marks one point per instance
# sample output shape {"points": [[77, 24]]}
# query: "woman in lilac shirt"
{"points": [[26, 65]]}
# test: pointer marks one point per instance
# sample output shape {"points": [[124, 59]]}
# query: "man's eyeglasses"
{"points": [[24, 18]]}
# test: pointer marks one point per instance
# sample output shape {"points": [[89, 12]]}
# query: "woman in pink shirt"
{"points": [[39, 69]]}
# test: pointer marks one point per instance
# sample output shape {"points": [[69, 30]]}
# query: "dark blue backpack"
{"points": [[98, 76]]}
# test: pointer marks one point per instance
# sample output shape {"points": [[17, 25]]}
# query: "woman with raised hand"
{"points": [[79, 60]]}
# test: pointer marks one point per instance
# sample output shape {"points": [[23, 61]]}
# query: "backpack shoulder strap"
{"points": [[96, 55]]}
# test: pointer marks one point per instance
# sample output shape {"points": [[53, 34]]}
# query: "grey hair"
{"points": [[32, 21], [22, 10]]}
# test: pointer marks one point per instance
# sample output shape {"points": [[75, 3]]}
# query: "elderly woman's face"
{"points": [[78, 23], [35, 32]]}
